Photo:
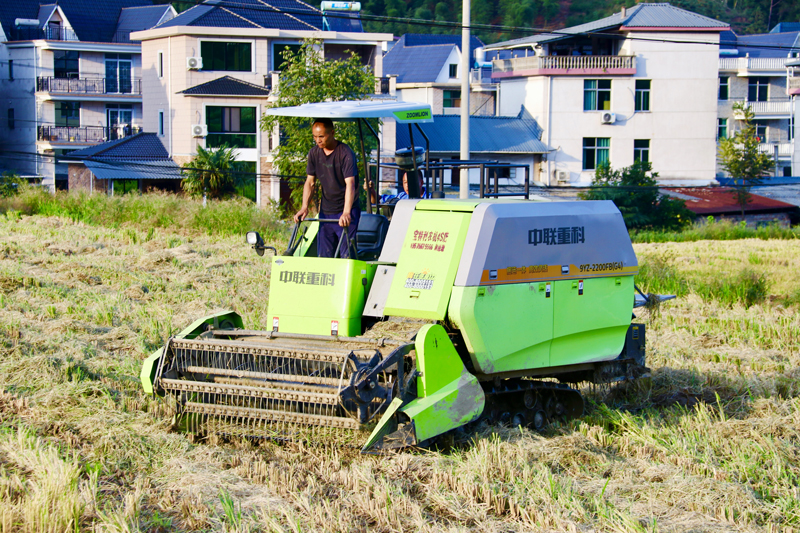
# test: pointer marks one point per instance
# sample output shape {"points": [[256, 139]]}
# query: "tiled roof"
{"points": [[416, 64], [142, 18], [226, 86], [487, 134], [783, 27], [419, 58], [135, 170], [279, 14], [764, 44], [720, 200], [140, 147], [649, 16], [344, 21], [92, 20]]}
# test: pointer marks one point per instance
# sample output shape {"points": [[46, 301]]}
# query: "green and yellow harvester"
{"points": [[474, 309]]}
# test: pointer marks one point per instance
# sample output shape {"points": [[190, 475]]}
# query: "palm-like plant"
{"points": [[210, 173]]}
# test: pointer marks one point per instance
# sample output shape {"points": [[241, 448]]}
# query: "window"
{"points": [[10, 69], [119, 73], [790, 133], [642, 95], [11, 123], [641, 150], [595, 152], [161, 122], [451, 99], [757, 89], [68, 114], [453, 70], [722, 128], [234, 126], [761, 130], [161, 64], [787, 172], [596, 95], [280, 54], [65, 64], [125, 186], [723, 87], [226, 56]]}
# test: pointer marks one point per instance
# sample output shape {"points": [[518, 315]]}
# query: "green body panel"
{"points": [[590, 326], [427, 265], [308, 243], [385, 425], [448, 395], [464, 206], [505, 327], [310, 294], [228, 319]]}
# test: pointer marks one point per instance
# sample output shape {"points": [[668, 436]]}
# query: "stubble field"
{"points": [[710, 443]]}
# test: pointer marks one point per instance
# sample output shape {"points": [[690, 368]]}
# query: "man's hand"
{"points": [[302, 214], [344, 220]]}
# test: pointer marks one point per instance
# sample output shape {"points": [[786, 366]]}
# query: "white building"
{"points": [[642, 83], [71, 78], [208, 76]]}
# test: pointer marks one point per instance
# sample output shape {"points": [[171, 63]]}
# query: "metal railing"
{"points": [[481, 75], [785, 149], [560, 63], [88, 85], [771, 107], [30, 33], [763, 64], [85, 134]]}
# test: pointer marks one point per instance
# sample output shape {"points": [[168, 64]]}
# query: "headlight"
{"points": [[252, 237]]}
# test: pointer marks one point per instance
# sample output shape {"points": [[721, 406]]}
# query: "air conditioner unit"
{"points": [[562, 176], [608, 117], [194, 63], [199, 130]]}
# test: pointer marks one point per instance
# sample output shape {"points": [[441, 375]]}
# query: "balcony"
{"points": [[86, 86], [785, 149], [773, 108], [481, 76], [564, 66], [85, 134], [747, 66], [793, 86], [31, 33]]}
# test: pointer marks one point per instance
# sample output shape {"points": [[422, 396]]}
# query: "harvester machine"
{"points": [[458, 311]]}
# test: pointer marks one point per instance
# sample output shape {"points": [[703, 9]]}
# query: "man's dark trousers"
{"points": [[331, 232]]}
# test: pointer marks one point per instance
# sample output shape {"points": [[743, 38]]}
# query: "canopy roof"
{"points": [[403, 112]]}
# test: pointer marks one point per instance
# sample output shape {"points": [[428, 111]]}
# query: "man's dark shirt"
{"points": [[331, 170]]}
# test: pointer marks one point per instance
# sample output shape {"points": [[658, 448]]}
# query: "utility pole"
{"points": [[463, 190]]}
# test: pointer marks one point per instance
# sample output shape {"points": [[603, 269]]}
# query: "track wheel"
{"points": [[539, 420]]}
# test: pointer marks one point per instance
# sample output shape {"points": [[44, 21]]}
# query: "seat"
{"points": [[370, 236]]}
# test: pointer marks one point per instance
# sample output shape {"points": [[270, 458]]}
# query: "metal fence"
{"points": [[89, 85], [85, 134]]}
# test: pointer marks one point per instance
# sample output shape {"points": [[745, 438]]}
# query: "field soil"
{"points": [[711, 442]]}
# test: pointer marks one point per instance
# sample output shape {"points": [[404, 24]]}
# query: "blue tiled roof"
{"points": [[92, 20], [419, 58], [134, 170], [226, 86], [783, 27], [141, 18], [765, 44], [488, 135], [279, 14], [416, 64], [344, 21], [650, 16], [140, 147]]}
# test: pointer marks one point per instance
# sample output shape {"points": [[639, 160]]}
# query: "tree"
{"points": [[306, 78], [11, 184], [636, 195], [739, 156], [210, 173]]}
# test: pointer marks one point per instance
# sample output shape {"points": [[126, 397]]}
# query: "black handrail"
{"points": [[344, 236]]}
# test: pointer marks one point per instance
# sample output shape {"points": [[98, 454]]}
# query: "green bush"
{"points": [[723, 230]]}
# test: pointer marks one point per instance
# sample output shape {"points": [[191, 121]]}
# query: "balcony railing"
{"points": [[563, 65], [785, 149], [88, 85], [480, 75], [776, 107], [30, 33], [85, 134], [753, 64]]}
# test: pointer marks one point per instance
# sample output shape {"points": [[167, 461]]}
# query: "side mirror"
{"points": [[254, 239]]}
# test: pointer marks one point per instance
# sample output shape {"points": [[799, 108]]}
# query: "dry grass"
{"points": [[710, 443]]}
